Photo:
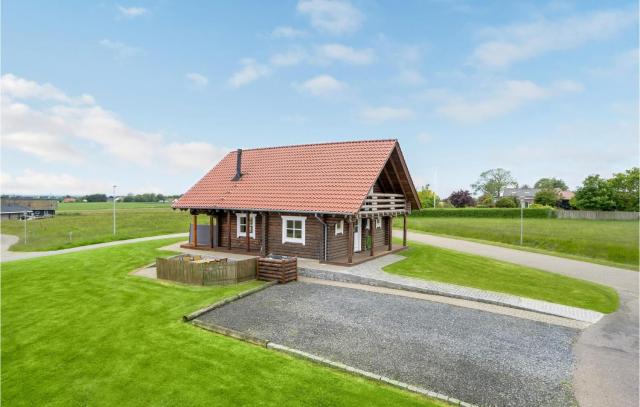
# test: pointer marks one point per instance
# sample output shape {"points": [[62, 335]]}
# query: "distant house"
{"points": [[528, 195], [9, 212], [39, 207], [69, 199], [522, 194], [334, 202]]}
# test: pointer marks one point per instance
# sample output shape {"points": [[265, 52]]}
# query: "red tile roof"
{"points": [[322, 178]]}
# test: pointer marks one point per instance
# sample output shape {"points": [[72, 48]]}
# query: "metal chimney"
{"points": [[238, 165]]}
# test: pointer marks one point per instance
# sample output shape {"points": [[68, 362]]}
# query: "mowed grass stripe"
{"points": [[77, 329], [449, 266], [609, 242]]}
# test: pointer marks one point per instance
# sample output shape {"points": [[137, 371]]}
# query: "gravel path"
{"points": [[475, 356], [607, 368]]}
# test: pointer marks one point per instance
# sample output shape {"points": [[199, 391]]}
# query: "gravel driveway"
{"points": [[478, 357]]}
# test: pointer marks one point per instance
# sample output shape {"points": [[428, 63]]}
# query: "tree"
{"points": [[595, 194], [96, 198], [485, 200], [548, 197], [461, 199], [507, 202], [626, 189], [494, 181], [426, 197], [551, 183]]}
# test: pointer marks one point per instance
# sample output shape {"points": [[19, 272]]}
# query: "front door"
{"points": [[357, 236]]}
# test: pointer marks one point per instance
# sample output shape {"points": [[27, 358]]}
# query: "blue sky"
{"points": [[150, 94]]}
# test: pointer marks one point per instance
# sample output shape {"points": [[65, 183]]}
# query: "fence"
{"points": [[597, 215], [201, 271]]}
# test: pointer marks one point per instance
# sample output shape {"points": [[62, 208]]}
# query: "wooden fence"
{"points": [[597, 215], [201, 271]]}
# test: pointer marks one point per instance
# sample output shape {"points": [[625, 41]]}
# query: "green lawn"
{"points": [[96, 206], [78, 330], [609, 242], [448, 266], [96, 226]]}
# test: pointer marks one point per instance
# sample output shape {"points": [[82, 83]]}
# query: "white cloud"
{"points": [[120, 50], [621, 66], [424, 138], [513, 43], [289, 58], [249, 72], [132, 12], [322, 85], [410, 77], [339, 52], [287, 32], [19, 88], [385, 113], [31, 182], [49, 147], [193, 155], [507, 97], [54, 132], [197, 80], [331, 16]]}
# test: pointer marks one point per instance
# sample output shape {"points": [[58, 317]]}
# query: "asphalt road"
{"points": [[607, 370], [475, 356]]}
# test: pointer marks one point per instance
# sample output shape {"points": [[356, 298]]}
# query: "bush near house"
{"points": [[507, 202], [485, 213], [461, 199], [548, 197]]}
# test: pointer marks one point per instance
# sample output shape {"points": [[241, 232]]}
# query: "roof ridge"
{"points": [[319, 144]]}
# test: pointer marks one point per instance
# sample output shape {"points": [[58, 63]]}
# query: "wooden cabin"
{"points": [[334, 202]]}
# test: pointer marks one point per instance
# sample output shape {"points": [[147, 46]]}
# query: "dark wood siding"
{"points": [[337, 245], [239, 243], [313, 237]]}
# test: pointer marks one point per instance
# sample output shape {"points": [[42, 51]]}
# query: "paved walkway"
{"points": [[7, 241], [607, 352]]}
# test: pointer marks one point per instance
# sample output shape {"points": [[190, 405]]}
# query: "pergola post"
{"points": [[263, 247], [195, 230], [229, 230], [211, 230], [390, 231], [372, 226], [247, 231], [404, 229], [350, 241]]}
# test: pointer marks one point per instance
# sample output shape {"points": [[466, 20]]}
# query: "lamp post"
{"points": [[114, 209], [521, 219], [25, 227]]}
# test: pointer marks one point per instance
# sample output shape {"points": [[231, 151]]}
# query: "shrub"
{"points": [[538, 206], [595, 194], [548, 197], [507, 202], [485, 213], [461, 199]]}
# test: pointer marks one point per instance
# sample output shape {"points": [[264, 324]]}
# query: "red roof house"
{"points": [[329, 201]]}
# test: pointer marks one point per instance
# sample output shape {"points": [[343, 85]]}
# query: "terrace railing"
{"points": [[379, 204]]}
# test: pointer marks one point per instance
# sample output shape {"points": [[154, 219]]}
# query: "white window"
{"points": [[293, 229], [241, 225], [378, 223], [340, 227]]}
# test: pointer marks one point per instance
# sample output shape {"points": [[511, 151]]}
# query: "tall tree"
{"points": [[494, 181], [626, 189], [551, 183], [595, 194], [427, 197], [461, 199]]}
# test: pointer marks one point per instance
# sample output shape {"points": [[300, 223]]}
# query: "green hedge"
{"points": [[484, 213]]}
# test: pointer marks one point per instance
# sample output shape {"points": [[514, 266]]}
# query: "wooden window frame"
{"points": [[339, 227], [252, 228], [300, 240], [378, 223]]}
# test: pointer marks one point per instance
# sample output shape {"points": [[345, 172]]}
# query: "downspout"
{"points": [[324, 233]]}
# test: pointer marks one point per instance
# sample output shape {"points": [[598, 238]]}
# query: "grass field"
{"points": [[608, 242], [79, 228], [448, 266], [97, 206], [78, 330]]}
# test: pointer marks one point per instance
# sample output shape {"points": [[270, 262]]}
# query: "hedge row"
{"points": [[538, 213]]}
